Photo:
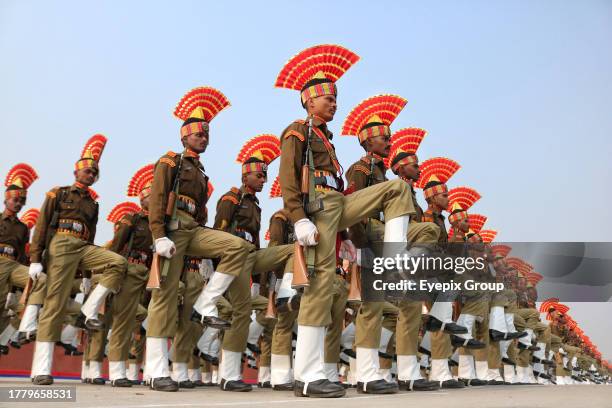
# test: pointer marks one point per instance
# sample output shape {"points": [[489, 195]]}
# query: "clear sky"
{"points": [[518, 92]]}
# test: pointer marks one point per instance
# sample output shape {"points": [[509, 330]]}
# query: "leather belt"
{"points": [[74, 228], [193, 265], [186, 204], [138, 257], [326, 181], [7, 251], [244, 234]]}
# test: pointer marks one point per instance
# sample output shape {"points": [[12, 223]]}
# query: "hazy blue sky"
{"points": [[518, 92]]}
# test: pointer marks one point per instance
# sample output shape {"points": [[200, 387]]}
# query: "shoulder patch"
{"points": [[296, 134], [171, 153], [51, 194], [167, 161], [280, 216], [300, 121], [366, 159], [231, 198], [363, 169], [235, 190]]}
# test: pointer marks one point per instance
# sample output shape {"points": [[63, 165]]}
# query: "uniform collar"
{"points": [[245, 191], [191, 153], [5, 216]]}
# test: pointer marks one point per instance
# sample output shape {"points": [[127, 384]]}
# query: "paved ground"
{"points": [[91, 396]]}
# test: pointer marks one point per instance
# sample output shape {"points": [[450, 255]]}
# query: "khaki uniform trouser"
{"points": [[66, 255], [137, 348], [124, 308], [530, 316], [224, 308], [480, 331], [193, 240], [494, 355], [96, 341], [410, 311], [283, 330], [12, 273], [408, 325], [266, 337], [334, 330], [390, 315], [341, 212], [239, 292], [370, 314], [188, 332], [283, 333]]}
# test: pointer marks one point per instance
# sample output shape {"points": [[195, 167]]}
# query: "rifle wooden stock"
{"points": [[154, 281], [23, 300], [354, 294], [171, 203], [300, 270], [305, 179], [103, 307], [271, 308]]}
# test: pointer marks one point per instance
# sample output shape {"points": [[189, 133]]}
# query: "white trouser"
{"points": [[309, 354], [156, 365], [497, 319], [367, 365], [408, 368], [43, 358]]}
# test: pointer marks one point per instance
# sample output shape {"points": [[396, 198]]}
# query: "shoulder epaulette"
{"points": [[171, 154], [367, 159], [53, 192], [300, 121], [280, 216], [167, 161], [295, 133], [235, 190], [230, 197], [362, 168]]}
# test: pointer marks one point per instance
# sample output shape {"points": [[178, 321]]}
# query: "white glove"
{"points": [[255, 289], [85, 286], [164, 247], [35, 270], [348, 251], [305, 232]]}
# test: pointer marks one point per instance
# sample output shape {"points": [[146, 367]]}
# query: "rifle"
{"points": [[304, 257], [271, 309], [23, 299], [159, 266]]}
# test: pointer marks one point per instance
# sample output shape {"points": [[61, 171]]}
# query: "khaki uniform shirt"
{"points": [[73, 203]]}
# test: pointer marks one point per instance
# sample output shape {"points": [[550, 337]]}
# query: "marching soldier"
{"points": [[404, 163], [177, 211], [14, 236], [238, 213], [287, 302], [65, 232], [439, 325], [374, 135], [322, 212], [133, 241]]}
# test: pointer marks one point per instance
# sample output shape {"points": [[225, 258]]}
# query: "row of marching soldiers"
{"points": [[187, 303]]}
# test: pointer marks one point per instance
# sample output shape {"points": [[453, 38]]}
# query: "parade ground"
{"points": [[532, 396]]}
